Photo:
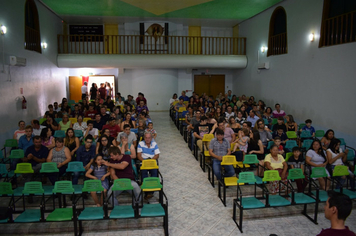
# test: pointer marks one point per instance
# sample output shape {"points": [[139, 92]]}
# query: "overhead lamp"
{"points": [[311, 37], [263, 49], [3, 29], [44, 45]]}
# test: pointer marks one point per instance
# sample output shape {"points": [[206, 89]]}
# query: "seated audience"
{"points": [[71, 142], [91, 131], [140, 98], [265, 134], [280, 125], [142, 107], [21, 131], [151, 130], [37, 128], [128, 121], [282, 136], [252, 118], [278, 112], [47, 138], [104, 115], [76, 112], [26, 140], [297, 161], [65, 123], [91, 112], [113, 127], [308, 127], [36, 154], [328, 136], [86, 155], [268, 116], [291, 124], [109, 103], [51, 111], [236, 127], [255, 146], [80, 124], [131, 136], [229, 134]]}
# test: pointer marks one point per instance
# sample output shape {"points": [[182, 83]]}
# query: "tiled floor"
{"points": [[194, 207]]}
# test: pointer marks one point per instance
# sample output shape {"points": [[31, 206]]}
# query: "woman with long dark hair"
{"points": [[71, 142], [328, 136], [93, 91]]}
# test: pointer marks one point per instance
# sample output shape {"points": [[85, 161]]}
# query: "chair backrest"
{"points": [[250, 159], [265, 121], [296, 173], [301, 125], [288, 155], [291, 134], [319, 133], [75, 166], [78, 133], [342, 141], [307, 143], [340, 170], [122, 185], [134, 130], [49, 167], [174, 103], [59, 134], [17, 153], [274, 121], [151, 183], [270, 144], [71, 102], [207, 137], [24, 168], [42, 120], [63, 186], [351, 155], [246, 177], [318, 172], [34, 187], [186, 102], [271, 175], [228, 160], [305, 134], [58, 119], [73, 120], [3, 169], [6, 188], [291, 144], [10, 143], [149, 164], [86, 119], [92, 185], [181, 109]]}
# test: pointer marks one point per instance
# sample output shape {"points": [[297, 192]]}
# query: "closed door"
{"points": [[111, 39], [194, 40], [75, 88], [209, 84]]}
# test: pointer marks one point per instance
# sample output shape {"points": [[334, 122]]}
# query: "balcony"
{"points": [[138, 51]]}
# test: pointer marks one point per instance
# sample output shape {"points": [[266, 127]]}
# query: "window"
{"points": [[277, 37], [338, 24], [32, 27]]}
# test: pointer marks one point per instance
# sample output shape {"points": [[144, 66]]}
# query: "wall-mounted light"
{"points": [[44, 45], [3, 29], [311, 37], [263, 49]]}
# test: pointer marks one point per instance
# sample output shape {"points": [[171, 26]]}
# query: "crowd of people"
{"points": [[243, 126], [116, 137]]}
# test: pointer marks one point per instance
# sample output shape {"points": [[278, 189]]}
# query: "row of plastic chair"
{"points": [[72, 120]]}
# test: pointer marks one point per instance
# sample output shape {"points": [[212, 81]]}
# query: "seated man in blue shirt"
{"points": [[85, 154], [36, 154], [25, 141], [252, 118]]}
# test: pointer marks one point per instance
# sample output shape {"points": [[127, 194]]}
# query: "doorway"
{"points": [[209, 84]]}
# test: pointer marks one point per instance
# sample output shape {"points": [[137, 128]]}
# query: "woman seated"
{"points": [[337, 157], [60, 154], [234, 125], [80, 125], [47, 138], [102, 147], [291, 124], [128, 121], [128, 149], [71, 142], [275, 161], [65, 123], [325, 141], [315, 157], [268, 115]]}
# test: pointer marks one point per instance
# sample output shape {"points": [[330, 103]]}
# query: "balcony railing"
{"points": [[277, 44], [139, 44]]}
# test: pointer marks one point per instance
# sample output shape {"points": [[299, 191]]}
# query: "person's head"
{"points": [[104, 140], [76, 107], [50, 107], [97, 160], [183, 93], [106, 132], [254, 108], [37, 141], [232, 120], [277, 106], [123, 137], [280, 131], [35, 124], [269, 110], [290, 119], [102, 85], [142, 103], [335, 145], [128, 116], [147, 137], [247, 125], [252, 113], [229, 109], [277, 141], [260, 124], [308, 123], [85, 83], [280, 120], [114, 152], [46, 133], [97, 117], [21, 124], [127, 129], [296, 152], [221, 123], [316, 146], [329, 134], [70, 133], [198, 114], [65, 118], [88, 141], [274, 150], [80, 118], [219, 134], [150, 125], [55, 104], [112, 121], [141, 124], [203, 120], [59, 142], [243, 108], [338, 206], [142, 115], [239, 114], [102, 110], [175, 96], [245, 131], [90, 124], [28, 130]]}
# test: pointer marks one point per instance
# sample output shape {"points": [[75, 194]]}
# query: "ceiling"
{"points": [[218, 13]]}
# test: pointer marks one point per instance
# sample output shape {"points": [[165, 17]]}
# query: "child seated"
{"points": [[140, 130], [277, 141], [242, 141], [151, 130], [309, 127], [281, 135], [297, 161], [98, 171]]}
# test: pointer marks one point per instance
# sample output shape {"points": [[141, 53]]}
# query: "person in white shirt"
{"points": [[37, 128], [84, 91]]}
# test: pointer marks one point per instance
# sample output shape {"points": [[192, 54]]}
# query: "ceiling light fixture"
{"points": [[3, 29], [311, 37]]}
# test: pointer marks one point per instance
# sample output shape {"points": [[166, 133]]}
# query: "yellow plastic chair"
{"points": [[205, 153], [86, 119], [149, 164], [73, 120]]}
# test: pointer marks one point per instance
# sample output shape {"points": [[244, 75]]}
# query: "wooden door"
{"points": [[194, 40], [209, 84], [111, 39], [75, 88]]}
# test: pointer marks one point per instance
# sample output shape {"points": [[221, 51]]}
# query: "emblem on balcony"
{"points": [[155, 31]]}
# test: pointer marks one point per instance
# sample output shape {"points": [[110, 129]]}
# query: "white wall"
{"points": [[41, 80], [308, 82]]}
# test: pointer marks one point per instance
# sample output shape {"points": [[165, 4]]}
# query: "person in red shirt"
{"points": [[102, 91], [91, 112], [113, 127], [141, 97], [337, 208]]}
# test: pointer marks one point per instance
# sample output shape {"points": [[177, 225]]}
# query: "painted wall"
{"points": [[41, 80], [308, 82]]}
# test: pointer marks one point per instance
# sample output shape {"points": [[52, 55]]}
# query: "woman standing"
{"points": [[93, 91]]}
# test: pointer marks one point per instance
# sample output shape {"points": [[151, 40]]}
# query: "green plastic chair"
{"points": [[62, 214], [307, 143], [42, 120], [291, 134], [270, 144], [351, 155], [58, 120], [59, 134], [6, 189], [24, 168], [92, 213], [76, 166], [11, 143], [123, 211], [250, 159], [300, 126], [17, 154], [5, 173], [342, 142], [288, 155], [271, 175], [274, 121], [274, 200], [49, 167], [78, 133], [290, 144], [340, 171], [295, 173], [320, 172], [305, 134], [151, 184], [31, 215], [319, 133]]}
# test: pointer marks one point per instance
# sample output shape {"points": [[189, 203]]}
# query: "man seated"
{"points": [[37, 128], [337, 208], [283, 137], [36, 154], [109, 103], [252, 118], [76, 112], [131, 101], [141, 107], [26, 140], [51, 111], [91, 130], [98, 123], [121, 167], [113, 127], [85, 154], [229, 134], [278, 112], [218, 148], [148, 149], [131, 136], [56, 107], [50, 123], [140, 98], [184, 97], [104, 116], [265, 134], [91, 112], [280, 125], [199, 131]]}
